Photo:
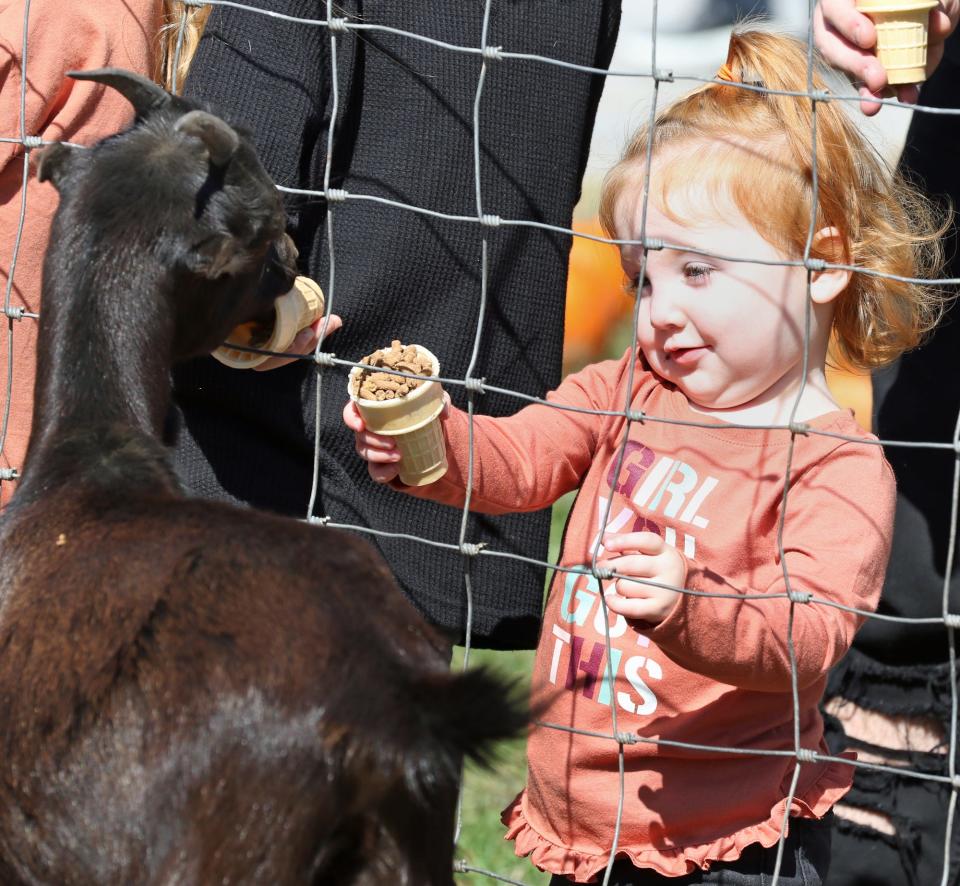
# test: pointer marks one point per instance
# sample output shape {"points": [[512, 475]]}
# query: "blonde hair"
{"points": [[756, 148], [172, 69]]}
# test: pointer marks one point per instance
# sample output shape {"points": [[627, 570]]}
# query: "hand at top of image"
{"points": [[847, 38]]}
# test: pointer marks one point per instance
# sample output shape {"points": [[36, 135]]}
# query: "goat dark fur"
{"points": [[190, 692]]}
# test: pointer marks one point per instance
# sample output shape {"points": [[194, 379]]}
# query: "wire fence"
{"points": [[491, 58]]}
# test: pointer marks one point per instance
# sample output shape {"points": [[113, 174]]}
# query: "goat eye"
{"points": [[631, 286]]}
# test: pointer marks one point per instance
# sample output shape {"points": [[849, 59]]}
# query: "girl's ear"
{"points": [[827, 284]]}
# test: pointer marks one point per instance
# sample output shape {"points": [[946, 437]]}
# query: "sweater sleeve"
{"points": [[119, 33], [272, 81], [526, 461], [836, 541]]}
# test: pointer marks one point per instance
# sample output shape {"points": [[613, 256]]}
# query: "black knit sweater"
{"points": [[404, 131]]}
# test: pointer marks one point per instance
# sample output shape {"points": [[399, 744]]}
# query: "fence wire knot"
{"points": [[806, 755], [490, 221], [603, 573], [799, 427], [469, 549], [325, 359], [800, 596], [952, 619], [814, 264], [335, 195], [637, 415], [32, 141], [492, 53], [9, 473], [15, 313], [662, 76], [460, 866], [474, 385], [625, 737], [320, 521], [337, 25], [652, 243]]}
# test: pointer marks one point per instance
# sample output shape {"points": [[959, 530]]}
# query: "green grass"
{"points": [[486, 792]]}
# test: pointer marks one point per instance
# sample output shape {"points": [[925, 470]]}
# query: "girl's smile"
{"points": [[686, 356]]}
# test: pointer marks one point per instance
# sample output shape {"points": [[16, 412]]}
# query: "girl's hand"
{"points": [[305, 343], [643, 555], [378, 451]]}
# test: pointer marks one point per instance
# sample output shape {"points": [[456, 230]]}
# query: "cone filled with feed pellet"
{"points": [[405, 408], [901, 36], [292, 312]]}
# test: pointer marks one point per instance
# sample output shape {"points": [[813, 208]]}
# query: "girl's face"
{"points": [[728, 334]]}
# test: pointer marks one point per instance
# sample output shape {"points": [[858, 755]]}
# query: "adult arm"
{"points": [[271, 77]]}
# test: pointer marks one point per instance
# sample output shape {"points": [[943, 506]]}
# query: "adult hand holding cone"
{"points": [[292, 313], [901, 36], [847, 33]]}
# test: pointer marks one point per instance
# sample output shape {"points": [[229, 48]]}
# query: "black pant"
{"points": [[863, 856], [916, 807], [806, 860]]}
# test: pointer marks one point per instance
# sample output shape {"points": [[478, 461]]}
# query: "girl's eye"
{"points": [[697, 273]]}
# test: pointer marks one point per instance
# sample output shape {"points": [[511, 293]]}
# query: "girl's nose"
{"points": [[665, 310]]}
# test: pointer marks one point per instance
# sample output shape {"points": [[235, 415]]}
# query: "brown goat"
{"points": [[190, 692]]}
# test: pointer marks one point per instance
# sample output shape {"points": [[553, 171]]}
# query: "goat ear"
{"points": [[218, 255], [51, 163], [145, 95], [219, 138]]}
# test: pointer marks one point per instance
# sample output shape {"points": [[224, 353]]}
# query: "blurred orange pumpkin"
{"points": [[596, 300]]}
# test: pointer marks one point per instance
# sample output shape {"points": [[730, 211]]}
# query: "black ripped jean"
{"points": [[806, 860], [917, 808]]}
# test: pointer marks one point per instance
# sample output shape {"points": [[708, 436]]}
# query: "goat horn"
{"points": [[219, 138], [145, 95]]}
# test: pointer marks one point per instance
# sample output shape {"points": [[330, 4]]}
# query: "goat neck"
{"points": [[167, 236], [104, 352]]}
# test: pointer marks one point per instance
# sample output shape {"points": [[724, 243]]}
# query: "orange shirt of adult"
{"points": [[717, 671], [61, 37]]}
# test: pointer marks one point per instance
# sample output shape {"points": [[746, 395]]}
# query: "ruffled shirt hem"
{"points": [[673, 861]]}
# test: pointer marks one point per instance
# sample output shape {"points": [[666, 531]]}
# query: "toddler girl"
{"points": [[731, 343]]}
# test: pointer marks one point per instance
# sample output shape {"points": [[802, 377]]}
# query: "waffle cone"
{"points": [[901, 37], [293, 311], [415, 423]]}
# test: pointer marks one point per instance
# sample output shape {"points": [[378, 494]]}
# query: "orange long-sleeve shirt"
{"points": [[717, 671], [61, 37]]}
